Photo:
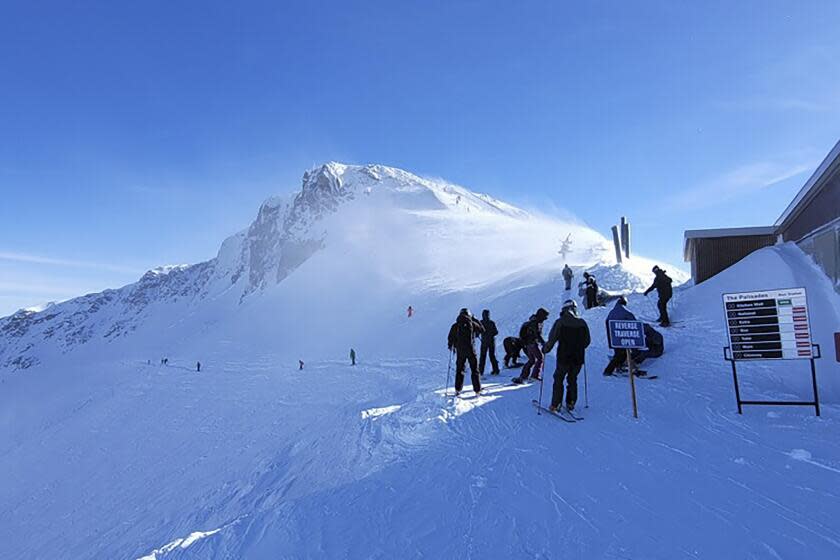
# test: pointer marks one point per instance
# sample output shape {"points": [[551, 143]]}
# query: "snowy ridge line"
{"points": [[352, 238], [184, 543]]}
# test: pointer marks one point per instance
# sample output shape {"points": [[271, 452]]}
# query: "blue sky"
{"points": [[138, 134]]}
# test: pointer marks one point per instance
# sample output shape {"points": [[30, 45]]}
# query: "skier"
{"points": [[461, 339], [300, 364], [532, 340], [618, 313], [571, 333], [591, 292], [410, 311], [655, 346], [352, 357], [198, 367], [513, 346], [662, 285], [488, 343], [567, 276]]}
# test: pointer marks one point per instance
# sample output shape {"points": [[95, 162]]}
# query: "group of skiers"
{"points": [[570, 333]]}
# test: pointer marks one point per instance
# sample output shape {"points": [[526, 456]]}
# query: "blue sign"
{"points": [[627, 334]]}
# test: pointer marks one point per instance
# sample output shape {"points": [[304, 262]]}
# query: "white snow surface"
{"points": [[107, 456], [332, 266]]}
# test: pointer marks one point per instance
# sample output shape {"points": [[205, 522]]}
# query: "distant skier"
{"points": [[198, 367], [461, 339], [618, 313], [410, 311], [166, 361], [300, 364], [352, 357], [662, 285], [488, 343], [513, 346], [532, 340], [571, 333], [567, 276]]}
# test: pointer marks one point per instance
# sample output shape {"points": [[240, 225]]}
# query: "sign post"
{"points": [[627, 336], [769, 325]]}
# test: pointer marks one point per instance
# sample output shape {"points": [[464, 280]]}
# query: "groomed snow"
{"points": [[253, 458]]}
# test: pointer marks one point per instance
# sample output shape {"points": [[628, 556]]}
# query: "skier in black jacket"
{"points": [[571, 333], [513, 346], [662, 285], [488, 343], [532, 340], [591, 292], [461, 339]]}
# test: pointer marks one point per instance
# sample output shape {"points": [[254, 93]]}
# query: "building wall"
{"points": [[824, 247], [820, 211], [714, 254], [816, 229]]}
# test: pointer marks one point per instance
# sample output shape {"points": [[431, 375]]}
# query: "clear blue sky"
{"points": [[134, 134]]}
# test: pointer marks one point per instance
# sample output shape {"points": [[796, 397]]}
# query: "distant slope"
{"points": [[347, 253]]}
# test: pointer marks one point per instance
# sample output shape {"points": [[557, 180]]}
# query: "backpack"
{"points": [[523, 331]]}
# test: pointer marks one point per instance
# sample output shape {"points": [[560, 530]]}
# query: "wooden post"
{"points": [[632, 382], [625, 239], [622, 225], [617, 243]]}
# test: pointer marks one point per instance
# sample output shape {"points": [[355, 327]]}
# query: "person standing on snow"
{"points": [[618, 313], [532, 340], [461, 339], [571, 333], [488, 343], [567, 276], [662, 285], [513, 346], [352, 357], [300, 364], [591, 292], [198, 367], [410, 311]]}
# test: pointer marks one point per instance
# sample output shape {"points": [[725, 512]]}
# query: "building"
{"points": [[811, 220]]}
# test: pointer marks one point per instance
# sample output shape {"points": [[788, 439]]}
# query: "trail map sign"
{"points": [[769, 325], [627, 335]]}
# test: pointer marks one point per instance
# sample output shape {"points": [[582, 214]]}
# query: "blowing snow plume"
{"points": [[337, 262]]}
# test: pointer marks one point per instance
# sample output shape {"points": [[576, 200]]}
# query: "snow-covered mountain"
{"points": [[355, 245]]}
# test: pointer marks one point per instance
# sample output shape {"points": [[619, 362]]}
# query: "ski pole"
{"points": [[585, 386], [542, 374], [448, 371]]}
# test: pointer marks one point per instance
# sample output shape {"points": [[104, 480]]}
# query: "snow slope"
{"points": [[255, 459], [332, 266]]}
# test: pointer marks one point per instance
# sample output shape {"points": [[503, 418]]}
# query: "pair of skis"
{"points": [[562, 414]]}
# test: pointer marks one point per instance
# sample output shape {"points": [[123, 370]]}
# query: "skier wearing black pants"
{"points": [[513, 346], [662, 285], [618, 313], [567, 276], [461, 339], [571, 333], [488, 343]]}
